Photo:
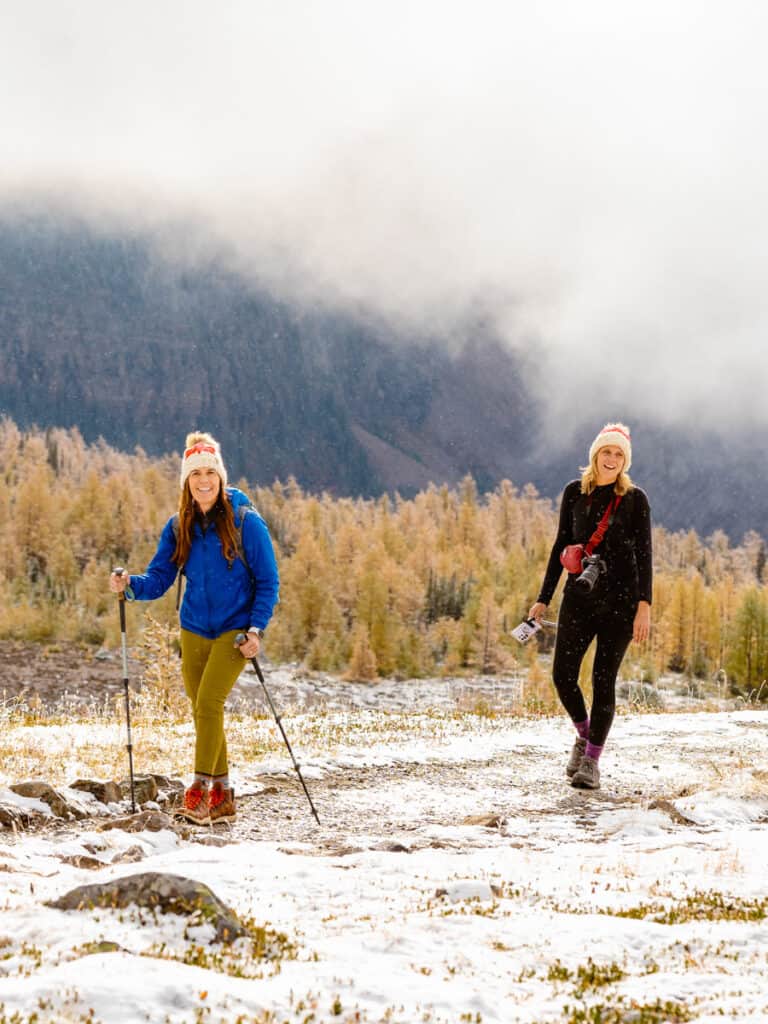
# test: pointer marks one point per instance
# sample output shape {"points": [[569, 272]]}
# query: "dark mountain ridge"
{"points": [[101, 332]]}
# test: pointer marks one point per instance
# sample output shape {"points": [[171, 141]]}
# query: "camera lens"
{"points": [[588, 578]]}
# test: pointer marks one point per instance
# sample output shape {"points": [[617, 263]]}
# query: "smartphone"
{"points": [[526, 629]]}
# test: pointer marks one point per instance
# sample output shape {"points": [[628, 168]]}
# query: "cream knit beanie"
{"points": [[201, 450], [613, 434]]}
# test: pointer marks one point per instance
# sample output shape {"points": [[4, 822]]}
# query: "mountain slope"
{"points": [[102, 332]]}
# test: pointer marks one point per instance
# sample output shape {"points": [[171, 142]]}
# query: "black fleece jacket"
{"points": [[626, 546]]}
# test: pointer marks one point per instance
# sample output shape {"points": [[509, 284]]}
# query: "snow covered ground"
{"points": [[643, 902]]}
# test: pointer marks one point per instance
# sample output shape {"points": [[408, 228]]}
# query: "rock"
{"points": [[12, 817], [95, 847], [82, 860], [144, 788], [212, 841], [170, 894], [167, 786], [392, 846], [129, 856], [42, 791], [144, 821], [104, 792], [490, 820]]}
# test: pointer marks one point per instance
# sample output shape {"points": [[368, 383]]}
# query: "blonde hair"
{"points": [[589, 477]]}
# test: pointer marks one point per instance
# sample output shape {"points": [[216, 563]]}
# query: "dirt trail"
{"points": [[61, 673]]}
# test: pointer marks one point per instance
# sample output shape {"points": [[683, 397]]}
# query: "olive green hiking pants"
{"points": [[210, 669]]}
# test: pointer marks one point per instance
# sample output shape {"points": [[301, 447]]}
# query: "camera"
{"points": [[592, 567]]}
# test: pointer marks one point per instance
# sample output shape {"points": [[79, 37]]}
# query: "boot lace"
{"points": [[193, 798]]}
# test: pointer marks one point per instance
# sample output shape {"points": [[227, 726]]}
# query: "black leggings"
{"points": [[578, 624]]}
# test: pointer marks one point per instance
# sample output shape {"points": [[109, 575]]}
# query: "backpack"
{"points": [[241, 510]]}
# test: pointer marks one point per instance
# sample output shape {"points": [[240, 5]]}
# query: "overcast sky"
{"points": [[593, 175]]}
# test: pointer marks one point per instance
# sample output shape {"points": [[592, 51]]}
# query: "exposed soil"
{"points": [[61, 673]]}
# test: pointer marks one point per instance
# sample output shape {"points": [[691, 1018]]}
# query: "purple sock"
{"points": [[593, 751], [582, 728]]}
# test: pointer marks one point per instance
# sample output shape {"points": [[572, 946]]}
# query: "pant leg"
{"points": [[575, 632], [613, 636], [210, 669], [194, 657]]}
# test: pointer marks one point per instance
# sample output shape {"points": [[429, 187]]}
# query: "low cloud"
{"points": [[590, 177]]}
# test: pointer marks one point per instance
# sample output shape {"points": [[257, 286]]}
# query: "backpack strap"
{"points": [[603, 525], [240, 514], [175, 528]]}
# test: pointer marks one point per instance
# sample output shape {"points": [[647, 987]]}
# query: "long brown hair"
{"points": [[225, 526]]}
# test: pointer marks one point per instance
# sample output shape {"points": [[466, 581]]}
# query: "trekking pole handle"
{"points": [[119, 571]]}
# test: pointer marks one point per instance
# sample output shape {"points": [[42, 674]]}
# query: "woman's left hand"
{"points": [[250, 648], [642, 625]]}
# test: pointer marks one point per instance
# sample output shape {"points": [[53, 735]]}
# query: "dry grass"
{"points": [[63, 743]]}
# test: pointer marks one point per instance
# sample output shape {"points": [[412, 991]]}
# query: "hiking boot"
{"points": [[196, 806], [574, 761], [222, 803], [588, 774]]}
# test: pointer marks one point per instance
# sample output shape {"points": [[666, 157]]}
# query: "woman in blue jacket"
{"points": [[224, 550]]}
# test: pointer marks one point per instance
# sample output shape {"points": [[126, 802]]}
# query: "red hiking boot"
{"points": [[222, 803], [196, 806]]}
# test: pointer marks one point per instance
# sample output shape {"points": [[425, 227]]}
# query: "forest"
{"points": [[426, 586]]}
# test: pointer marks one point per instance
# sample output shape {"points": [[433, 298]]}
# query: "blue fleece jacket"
{"points": [[218, 596]]}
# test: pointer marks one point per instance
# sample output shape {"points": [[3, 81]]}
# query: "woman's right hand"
{"points": [[118, 582], [537, 610]]}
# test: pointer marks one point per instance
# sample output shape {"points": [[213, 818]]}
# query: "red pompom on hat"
{"points": [[202, 451], [613, 434]]}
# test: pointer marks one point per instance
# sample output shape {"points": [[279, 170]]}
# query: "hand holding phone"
{"points": [[526, 629]]}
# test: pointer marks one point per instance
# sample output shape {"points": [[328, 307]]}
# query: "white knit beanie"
{"points": [[613, 434], [202, 450]]}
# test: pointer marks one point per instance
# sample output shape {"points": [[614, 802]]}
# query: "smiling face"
{"points": [[205, 487], [609, 462]]}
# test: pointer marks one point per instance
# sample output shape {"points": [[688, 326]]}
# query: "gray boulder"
{"points": [[170, 894]]}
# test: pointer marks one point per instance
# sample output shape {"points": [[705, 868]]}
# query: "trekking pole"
{"points": [[239, 639], [118, 571]]}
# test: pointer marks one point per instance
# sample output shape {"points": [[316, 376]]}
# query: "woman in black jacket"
{"points": [[616, 608]]}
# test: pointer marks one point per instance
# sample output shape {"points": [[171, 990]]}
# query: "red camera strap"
{"points": [[602, 526]]}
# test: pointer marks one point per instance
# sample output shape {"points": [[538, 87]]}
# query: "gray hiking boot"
{"points": [[588, 774], [574, 761]]}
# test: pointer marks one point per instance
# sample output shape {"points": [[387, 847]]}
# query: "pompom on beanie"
{"points": [[613, 434], [201, 451]]}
